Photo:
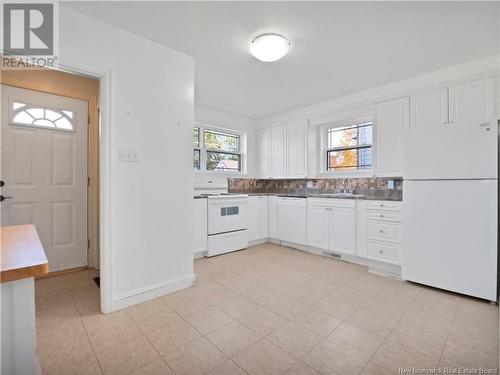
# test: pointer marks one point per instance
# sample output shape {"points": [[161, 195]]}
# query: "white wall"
{"points": [[151, 111], [215, 117], [441, 78]]}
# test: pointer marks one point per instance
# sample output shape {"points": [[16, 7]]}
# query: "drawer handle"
{"points": [[381, 215], [381, 205], [381, 231], [381, 251]]}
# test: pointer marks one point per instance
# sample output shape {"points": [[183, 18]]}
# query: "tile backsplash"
{"points": [[373, 187]]}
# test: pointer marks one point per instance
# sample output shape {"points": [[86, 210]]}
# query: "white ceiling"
{"points": [[338, 48]]}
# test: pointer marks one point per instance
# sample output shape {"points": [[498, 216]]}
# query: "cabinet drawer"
{"points": [[384, 205], [384, 215], [382, 251], [382, 231]]}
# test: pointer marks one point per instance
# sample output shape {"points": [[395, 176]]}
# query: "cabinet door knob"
{"points": [[381, 231], [381, 251], [381, 215], [381, 205]]}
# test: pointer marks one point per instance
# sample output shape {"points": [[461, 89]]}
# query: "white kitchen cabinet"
{"points": [[282, 151], [257, 218], [461, 103], [318, 228], [200, 233], [278, 155], [296, 150], [273, 216], [264, 153], [292, 220], [253, 218], [379, 230], [428, 109], [264, 217], [392, 120], [342, 230], [331, 224], [471, 101]]}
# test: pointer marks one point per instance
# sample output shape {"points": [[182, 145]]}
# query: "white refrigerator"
{"points": [[450, 207]]}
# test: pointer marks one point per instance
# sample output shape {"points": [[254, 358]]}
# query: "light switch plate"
{"points": [[390, 184], [129, 156]]}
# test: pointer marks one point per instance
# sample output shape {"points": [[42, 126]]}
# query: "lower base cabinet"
{"points": [[258, 222], [273, 216], [318, 217], [332, 224], [379, 230], [200, 229]]}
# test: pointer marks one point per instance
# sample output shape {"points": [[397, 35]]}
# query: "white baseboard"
{"points": [[154, 291], [387, 269], [258, 242]]}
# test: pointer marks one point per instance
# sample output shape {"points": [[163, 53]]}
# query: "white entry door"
{"points": [[44, 170]]}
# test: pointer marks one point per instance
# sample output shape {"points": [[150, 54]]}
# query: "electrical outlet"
{"points": [[129, 156]]}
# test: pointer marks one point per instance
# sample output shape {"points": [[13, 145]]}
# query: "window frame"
{"points": [[197, 148], [203, 149], [324, 147]]}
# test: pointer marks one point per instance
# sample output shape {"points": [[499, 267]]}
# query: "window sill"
{"points": [[221, 173], [346, 174]]}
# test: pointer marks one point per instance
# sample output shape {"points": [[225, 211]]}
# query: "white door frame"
{"points": [[104, 76]]}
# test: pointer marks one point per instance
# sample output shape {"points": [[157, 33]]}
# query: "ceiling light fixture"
{"points": [[269, 47]]}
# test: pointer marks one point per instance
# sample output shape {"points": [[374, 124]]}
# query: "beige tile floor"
{"points": [[265, 310]]}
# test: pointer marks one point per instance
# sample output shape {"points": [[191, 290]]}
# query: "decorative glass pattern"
{"points": [[28, 115]]}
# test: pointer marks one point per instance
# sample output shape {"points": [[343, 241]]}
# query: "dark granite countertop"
{"points": [[329, 196]]}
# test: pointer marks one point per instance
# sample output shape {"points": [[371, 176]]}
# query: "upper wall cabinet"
{"points": [[429, 108], [474, 100], [282, 151], [264, 151], [296, 150], [278, 155], [392, 121]]}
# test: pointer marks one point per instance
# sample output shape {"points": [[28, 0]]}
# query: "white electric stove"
{"points": [[227, 223]]}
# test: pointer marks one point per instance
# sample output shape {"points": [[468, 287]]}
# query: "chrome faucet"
{"points": [[344, 190]]}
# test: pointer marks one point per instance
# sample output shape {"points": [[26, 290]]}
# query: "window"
{"points": [[196, 151], [223, 151], [28, 115], [216, 150], [349, 147]]}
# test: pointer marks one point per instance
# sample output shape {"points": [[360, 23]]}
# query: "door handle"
{"points": [[2, 183], [2, 198]]}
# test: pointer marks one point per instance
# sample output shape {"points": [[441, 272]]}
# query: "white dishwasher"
{"points": [[292, 219]]}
